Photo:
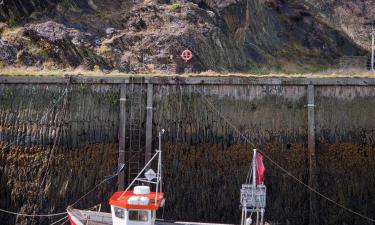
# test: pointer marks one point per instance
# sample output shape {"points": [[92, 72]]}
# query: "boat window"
{"points": [[138, 215], [119, 213]]}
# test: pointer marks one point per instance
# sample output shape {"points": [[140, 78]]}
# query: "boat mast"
{"points": [[158, 174], [255, 183], [254, 168]]}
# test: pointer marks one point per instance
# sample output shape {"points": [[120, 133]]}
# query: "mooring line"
{"points": [[278, 165], [32, 215], [107, 178], [59, 220], [41, 119]]}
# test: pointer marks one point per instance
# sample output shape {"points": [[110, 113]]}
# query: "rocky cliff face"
{"points": [[148, 36]]}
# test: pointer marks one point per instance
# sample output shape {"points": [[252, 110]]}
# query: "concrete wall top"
{"points": [[193, 80]]}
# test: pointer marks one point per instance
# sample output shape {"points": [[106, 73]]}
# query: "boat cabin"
{"points": [[137, 207]]}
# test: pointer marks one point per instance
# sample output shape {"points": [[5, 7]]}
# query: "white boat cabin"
{"points": [[137, 207]]}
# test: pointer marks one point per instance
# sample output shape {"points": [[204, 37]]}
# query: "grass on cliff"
{"points": [[8, 71]]}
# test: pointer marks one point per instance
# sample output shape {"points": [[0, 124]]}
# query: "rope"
{"points": [[87, 193], [32, 215], [52, 150], [41, 119], [279, 166], [57, 101], [107, 178], [65, 217], [249, 174], [67, 220], [62, 213]]}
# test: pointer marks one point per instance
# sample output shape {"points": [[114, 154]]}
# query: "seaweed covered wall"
{"points": [[209, 160], [53, 160], [345, 151], [55, 146]]}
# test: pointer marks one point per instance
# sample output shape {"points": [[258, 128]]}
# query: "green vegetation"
{"points": [[279, 69], [112, 97], [175, 6], [9, 94], [286, 68], [12, 22], [83, 88], [96, 68], [36, 14], [70, 5], [66, 4]]}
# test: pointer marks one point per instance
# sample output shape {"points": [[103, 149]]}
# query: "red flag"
{"points": [[260, 169]]}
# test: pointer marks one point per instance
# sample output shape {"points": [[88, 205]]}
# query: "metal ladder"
{"points": [[135, 132]]}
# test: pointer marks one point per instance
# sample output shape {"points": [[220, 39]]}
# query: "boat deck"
{"points": [[102, 218]]}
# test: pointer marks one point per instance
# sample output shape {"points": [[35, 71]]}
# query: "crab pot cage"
{"points": [[254, 192], [253, 197]]}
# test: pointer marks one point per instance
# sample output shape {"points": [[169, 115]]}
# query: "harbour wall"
{"points": [[59, 137]]}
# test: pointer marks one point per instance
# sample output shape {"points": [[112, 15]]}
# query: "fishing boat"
{"points": [[130, 207], [139, 205]]}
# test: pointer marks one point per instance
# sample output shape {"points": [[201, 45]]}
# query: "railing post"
{"points": [[149, 122], [313, 207], [121, 137]]}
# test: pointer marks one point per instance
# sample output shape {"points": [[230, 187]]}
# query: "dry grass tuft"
{"points": [[33, 71]]}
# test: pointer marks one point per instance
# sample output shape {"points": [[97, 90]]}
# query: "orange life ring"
{"points": [[187, 55]]}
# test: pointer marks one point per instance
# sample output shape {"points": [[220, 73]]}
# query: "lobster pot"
{"points": [[248, 196], [260, 196]]}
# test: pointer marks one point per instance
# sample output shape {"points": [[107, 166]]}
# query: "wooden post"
{"points": [[149, 122], [121, 137], [313, 217]]}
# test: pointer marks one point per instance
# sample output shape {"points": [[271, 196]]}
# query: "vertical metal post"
{"points": [[254, 168], [121, 137], [373, 49], [243, 216], [313, 220], [158, 175], [149, 122]]}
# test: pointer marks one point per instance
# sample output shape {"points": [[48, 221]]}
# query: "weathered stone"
{"points": [[8, 52], [54, 32], [224, 35], [25, 58]]}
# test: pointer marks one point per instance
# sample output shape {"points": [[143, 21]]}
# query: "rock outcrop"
{"points": [[149, 36], [8, 52]]}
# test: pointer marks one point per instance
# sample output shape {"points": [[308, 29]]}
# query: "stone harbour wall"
{"points": [[59, 138]]}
